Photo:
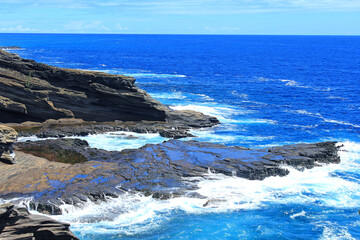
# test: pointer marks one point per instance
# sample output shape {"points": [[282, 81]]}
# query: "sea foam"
{"points": [[133, 213]]}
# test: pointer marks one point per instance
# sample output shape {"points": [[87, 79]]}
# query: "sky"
{"points": [[289, 17]]}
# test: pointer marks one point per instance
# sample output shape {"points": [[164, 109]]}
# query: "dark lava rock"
{"points": [[63, 150], [77, 127], [175, 134], [16, 223], [154, 169], [31, 91]]}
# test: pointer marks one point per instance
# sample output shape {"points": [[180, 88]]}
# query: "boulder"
{"points": [[16, 223], [7, 137]]}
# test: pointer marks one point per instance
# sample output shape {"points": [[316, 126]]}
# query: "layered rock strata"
{"points": [[16, 223], [77, 127], [7, 137], [31, 91]]}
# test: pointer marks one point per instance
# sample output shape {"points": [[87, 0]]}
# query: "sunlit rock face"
{"points": [[7, 137]]}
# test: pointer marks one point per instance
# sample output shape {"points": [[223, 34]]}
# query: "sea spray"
{"points": [[320, 187]]}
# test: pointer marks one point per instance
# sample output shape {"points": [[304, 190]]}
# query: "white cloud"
{"points": [[17, 28], [120, 27], [231, 6], [192, 6], [85, 26]]}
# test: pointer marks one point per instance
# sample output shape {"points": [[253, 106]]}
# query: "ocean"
{"points": [[266, 91]]}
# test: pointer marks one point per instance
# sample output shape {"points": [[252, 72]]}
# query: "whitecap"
{"points": [[318, 115], [112, 141], [293, 83], [117, 141], [137, 73], [300, 214], [204, 97], [332, 231], [224, 113], [154, 75], [168, 95], [32, 139], [134, 213]]}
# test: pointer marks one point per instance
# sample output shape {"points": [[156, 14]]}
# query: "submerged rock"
{"points": [[164, 170], [16, 223]]}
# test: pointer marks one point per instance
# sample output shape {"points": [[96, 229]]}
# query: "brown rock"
{"points": [[7, 135], [17, 223], [7, 138]]}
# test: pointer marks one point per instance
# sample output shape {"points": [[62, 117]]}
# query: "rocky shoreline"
{"points": [[45, 101], [69, 171], [16, 223]]}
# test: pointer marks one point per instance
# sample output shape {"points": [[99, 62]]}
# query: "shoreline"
{"points": [[69, 171]]}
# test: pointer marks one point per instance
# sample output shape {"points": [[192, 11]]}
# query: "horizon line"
{"points": [[204, 34]]}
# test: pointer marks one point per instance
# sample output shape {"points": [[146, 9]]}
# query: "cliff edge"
{"points": [[31, 91]]}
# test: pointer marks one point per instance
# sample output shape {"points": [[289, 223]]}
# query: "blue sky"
{"points": [[314, 17]]}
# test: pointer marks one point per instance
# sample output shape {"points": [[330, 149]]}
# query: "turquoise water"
{"points": [[267, 91]]}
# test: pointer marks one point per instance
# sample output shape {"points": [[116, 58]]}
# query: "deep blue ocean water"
{"points": [[267, 91]]}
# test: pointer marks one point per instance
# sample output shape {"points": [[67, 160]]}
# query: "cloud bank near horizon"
{"points": [[186, 16]]}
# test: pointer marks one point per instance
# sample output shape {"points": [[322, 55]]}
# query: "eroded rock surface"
{"points": [[31, 91], [77, 127], [155, 169], [16, 223], [7, 137]]}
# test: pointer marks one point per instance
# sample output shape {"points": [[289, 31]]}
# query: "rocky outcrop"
{"points": [[77, 127], [16, 223], [7, 137], [155, 169], [31, 91]]}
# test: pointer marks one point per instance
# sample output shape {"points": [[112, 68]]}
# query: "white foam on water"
{"points": [[134, 213], [332, 231], [32, 139], [293, 83], [112, 141], [117, 141], [129, 214], [169, 95], [319, 185], [300, 214], [204, 97], [210, 135], [241, 95], [340, 122], [224, 113], [154, 75], [318, 115], [137, 73]]}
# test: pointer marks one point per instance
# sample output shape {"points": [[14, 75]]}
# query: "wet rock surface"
{"points": [[16, 223], [164, 170]]}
